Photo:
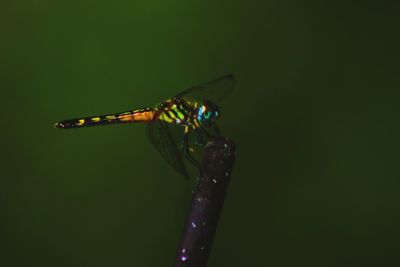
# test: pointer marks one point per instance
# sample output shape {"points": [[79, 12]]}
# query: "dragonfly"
{"points": [[177, 127]]}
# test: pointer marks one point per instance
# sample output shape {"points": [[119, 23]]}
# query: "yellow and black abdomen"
{"points": [[139, 115]]}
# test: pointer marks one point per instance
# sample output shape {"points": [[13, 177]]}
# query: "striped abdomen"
{"points": [[140, 115]]}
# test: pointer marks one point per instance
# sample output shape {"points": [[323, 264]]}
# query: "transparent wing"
{"points": [[161, 137], [200, 137], [197, 141], [213, 91]]}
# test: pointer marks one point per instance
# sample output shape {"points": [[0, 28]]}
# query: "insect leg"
{"points": [[199, 138], [202, 136], [186, 150]]}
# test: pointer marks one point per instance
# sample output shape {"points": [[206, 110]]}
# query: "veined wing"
{"points": [[214, 90], [161, 137]]}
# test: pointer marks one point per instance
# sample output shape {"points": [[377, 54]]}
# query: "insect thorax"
{"points": [[179, 111]]}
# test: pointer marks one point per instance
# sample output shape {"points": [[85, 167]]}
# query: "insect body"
{"points": [[172, 122]]}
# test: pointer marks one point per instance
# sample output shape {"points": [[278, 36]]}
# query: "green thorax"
{"points": [[179, 111]]}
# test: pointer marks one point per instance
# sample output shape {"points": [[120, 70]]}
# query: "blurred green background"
{"points": [[314, 114]]}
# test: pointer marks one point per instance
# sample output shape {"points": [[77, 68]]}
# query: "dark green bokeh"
{"points": [[314, 115]]}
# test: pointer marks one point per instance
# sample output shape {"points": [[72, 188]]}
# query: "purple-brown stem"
{"points": [[207, 201]]}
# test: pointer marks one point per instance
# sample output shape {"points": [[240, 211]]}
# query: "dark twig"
{"points": [[207, 201]]}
